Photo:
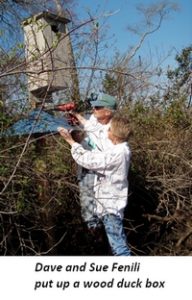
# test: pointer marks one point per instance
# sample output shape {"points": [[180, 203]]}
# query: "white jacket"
{"points": [[98, 134], [111, 167]]}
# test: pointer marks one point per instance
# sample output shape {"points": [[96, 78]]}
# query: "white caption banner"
{"points": [[92, 277]]}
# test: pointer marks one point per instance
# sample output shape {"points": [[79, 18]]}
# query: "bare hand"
{"points": [[79, 117], [66, 135]]}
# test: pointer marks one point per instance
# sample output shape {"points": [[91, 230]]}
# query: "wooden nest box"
{"points": [[49, 54]]}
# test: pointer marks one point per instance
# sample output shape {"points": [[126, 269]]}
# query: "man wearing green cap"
{"points": [[96, 128]]}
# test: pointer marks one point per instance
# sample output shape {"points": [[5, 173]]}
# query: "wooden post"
{"points": [[49, 57]]}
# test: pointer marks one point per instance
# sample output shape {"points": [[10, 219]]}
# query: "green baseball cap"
{"points": [[105, 100]]}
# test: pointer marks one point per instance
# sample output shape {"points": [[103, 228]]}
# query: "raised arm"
{"points": [[80, 118]]}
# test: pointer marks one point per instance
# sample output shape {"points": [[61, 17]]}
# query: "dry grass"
{"points": [[40, 211], [162, 163]]}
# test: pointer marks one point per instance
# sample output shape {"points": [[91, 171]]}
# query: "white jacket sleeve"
{"points": [[94, 160]]}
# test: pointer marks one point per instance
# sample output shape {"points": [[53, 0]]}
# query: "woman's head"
{"points": [[119, 130]]}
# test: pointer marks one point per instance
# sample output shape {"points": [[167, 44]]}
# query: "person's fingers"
{"points": [[61, 129]]}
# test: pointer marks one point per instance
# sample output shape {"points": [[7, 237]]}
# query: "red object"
{"points": [[72, 120], [66, 107]]}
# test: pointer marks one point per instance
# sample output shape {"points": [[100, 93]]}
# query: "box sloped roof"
{"points": [[46, 15]]}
